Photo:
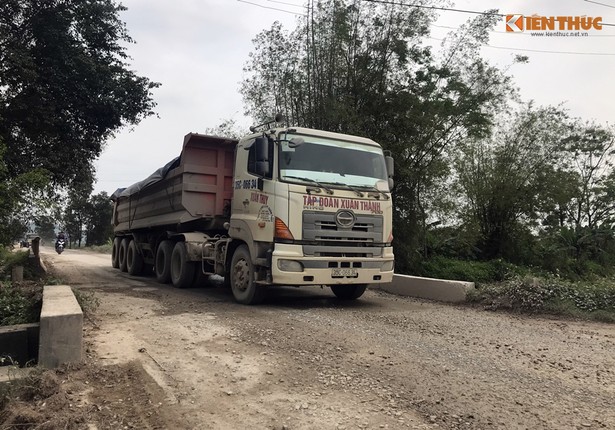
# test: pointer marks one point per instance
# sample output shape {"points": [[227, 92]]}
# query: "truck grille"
{"points": [[323, 237]]}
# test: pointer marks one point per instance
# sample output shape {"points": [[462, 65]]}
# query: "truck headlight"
{"points": [[388, 266], [290, 266]]}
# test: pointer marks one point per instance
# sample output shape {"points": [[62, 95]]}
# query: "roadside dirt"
{"points": [[159, 358]]}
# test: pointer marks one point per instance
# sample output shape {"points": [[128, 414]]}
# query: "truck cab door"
{"points": [[252, 205]]}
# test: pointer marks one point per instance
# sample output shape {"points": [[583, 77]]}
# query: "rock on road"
{"points": [[305, 360]]}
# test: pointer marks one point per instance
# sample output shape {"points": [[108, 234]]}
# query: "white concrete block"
{"points": [[61, 325], [427, 288]]}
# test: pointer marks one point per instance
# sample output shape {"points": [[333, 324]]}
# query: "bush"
{"points": [[9, 259], [594, 300], [19, 304], [472, 271]]}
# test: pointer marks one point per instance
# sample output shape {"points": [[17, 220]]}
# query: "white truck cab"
{"points": [[314, 207]]}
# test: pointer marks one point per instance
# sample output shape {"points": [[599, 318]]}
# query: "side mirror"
{"points": [[262, 168], [261, 150], [390, 165], [261, 153]]}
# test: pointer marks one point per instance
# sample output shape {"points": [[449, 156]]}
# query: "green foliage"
{"points": [[471, 271], [45, 227], [18, 306], [595, 300], [9, 259], [361, 68], [98, 213], [20, 303], [59, 120], [65, 87]]}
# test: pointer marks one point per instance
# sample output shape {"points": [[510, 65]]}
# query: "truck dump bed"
{"points": [[192, 192]]}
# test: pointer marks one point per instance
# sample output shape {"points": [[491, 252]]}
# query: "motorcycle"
{"points": [[60, 246]]}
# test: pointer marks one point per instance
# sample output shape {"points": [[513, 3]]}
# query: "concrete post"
{"points": [[36, 244], [17, 274]]}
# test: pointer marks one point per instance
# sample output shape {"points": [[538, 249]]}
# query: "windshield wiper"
{"points": [[319, 184], [356, 190], [372, 188]]}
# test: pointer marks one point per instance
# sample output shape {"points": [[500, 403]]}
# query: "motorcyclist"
{"points": [[61, 236]]}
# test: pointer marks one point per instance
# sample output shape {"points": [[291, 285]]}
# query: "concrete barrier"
{"points": [[61, 325], [427, 288]]}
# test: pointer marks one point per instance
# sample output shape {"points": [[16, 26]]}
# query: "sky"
{"points": [[197, 50]]}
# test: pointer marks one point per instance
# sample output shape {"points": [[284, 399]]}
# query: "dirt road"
{"points": [[305, 360]]}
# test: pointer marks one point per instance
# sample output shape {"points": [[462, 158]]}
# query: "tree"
{"points": [[98, 213], [46, 228], [75, 213], [227, 128], [65, 86], [360, 68], [509, 179], [582, 221], [589, 150], [18, 197]]}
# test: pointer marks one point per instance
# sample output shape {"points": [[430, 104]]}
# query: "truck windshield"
{"points": [[334, 162]]}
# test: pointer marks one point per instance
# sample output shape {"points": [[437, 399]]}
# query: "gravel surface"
{"points": [[305, 360]]}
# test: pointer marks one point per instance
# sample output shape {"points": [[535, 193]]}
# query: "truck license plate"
{"points": [[344, 273]]}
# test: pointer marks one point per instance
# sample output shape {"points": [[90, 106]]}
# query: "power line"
{"points": [[286, 3], [441, 26], [537, 50], [271, 8], [516, 34], [601, 4], [472, 12]]}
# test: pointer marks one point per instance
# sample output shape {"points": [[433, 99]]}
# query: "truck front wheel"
{"points": [[162, 264], [244, 288], [182, 270], [348, 292]]}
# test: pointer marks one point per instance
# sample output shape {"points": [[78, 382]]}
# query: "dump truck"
{"points": [[281, 207]]}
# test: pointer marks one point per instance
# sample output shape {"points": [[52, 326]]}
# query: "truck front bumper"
{"points": [[290, 267]]}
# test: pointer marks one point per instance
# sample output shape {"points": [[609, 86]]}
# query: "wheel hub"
{"points": [[241, 273]]}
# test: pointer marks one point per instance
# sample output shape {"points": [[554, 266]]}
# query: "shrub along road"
{"points": [[305, 360]]}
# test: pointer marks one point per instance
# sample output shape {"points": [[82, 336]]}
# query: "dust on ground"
{"points": [[158, 357]]}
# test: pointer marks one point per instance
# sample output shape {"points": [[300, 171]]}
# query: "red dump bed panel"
{"points": [[195, 190]]}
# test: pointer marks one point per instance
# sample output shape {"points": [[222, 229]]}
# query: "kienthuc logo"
{"points": [[521, 23]]}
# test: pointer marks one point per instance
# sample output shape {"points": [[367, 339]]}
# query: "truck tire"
{"points": [[134, 260], [115, 253], [122, 254], [162, 266], [348, 292], [245, 290], [182, 270]]}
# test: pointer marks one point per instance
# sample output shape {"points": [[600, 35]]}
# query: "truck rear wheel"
{"points": [[245, 290], [163, 262], [134, 260], [182, 270], [115, 253], [122, 254], [348, 292]]}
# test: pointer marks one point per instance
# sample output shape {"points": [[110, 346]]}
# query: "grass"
{"points": [[504, 286], [463, 270], [591, 300], [21, 302]]}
